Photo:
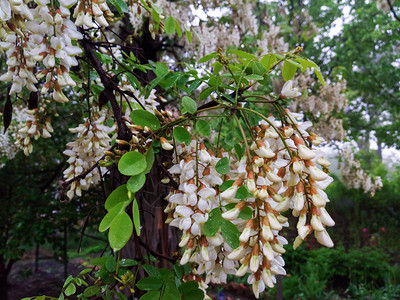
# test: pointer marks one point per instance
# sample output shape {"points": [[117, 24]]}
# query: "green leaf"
{"points": [[288, 70], [207, 57], [170, 80], [91, 291], [70, 290], [222, 166], [319, 76], [194, 85], [127, 262], [179, 271], [171, 292], [136, 216], [105, 59], [169, 25], [110, 264], [182, 135], [156, 17], [120, 231], [178, 28], [120, 5], [254, 77], [188, 105], [230, 233], [239, 151], [133, 80], [149, 160], [205, 93], [120, 194], [190, 291], [258, 68], [268, 60], [203, 127], [161, 69], [84, 271], [188, 35], [144, 118], [193, 295], [132, 163], [246, 213], [68, 280], [98, 261], [149, 284], [217, 67], [227, 184], [213, 223], [243, 193], [151, 270], [96, 89], [241, 53], [109, 217], [152, 295], [188, 286], [135, 183]]}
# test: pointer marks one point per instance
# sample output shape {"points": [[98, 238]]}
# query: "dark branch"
{"points": [[143, 244], [392, 9]]}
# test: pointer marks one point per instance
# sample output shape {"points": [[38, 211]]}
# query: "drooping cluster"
{"points": [[354, 175], [53, 34], [93, 138], [279, 171], [36, 124], [88, 10]]}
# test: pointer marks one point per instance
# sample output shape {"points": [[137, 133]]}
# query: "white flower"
{"points": [[288, 90]]}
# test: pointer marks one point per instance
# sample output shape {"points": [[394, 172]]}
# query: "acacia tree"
{"points": [[229, 154]]}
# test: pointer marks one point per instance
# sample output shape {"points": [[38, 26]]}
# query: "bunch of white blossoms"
{"points": [[53, 33], [20, 62], [354, 175], [87, 10], [93, 138], [36, 124], [279, 173]]}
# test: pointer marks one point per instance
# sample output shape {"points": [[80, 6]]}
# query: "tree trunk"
{"points": [[4, 271]]}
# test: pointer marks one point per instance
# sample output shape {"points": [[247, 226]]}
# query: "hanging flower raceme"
{"points": [[87, 11], [93, 139], [53, 34], [20, 62], [36, 124], [278, 172]]}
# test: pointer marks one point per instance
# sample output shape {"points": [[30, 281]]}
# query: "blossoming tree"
{"points": [[230, 155]]}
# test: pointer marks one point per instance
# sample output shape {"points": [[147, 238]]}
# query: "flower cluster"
{"points": [[36, 124], [53, 34], [93, 138], [41, 34], [20, 62], [279, 171], [87, 10], [354, 176]]}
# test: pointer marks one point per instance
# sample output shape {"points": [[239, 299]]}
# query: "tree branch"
{"points": [[392, 10], [109, 87]]}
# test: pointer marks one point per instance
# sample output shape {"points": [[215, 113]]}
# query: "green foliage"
{"points": [[213, 223], [188, 105], [230, 233], [182, 135], [222, 166], [132, 163], [165, 284], [145, 118], [203, 128], [327, 273]]}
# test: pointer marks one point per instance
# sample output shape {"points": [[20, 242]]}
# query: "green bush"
{"points": [[324, 273]]}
